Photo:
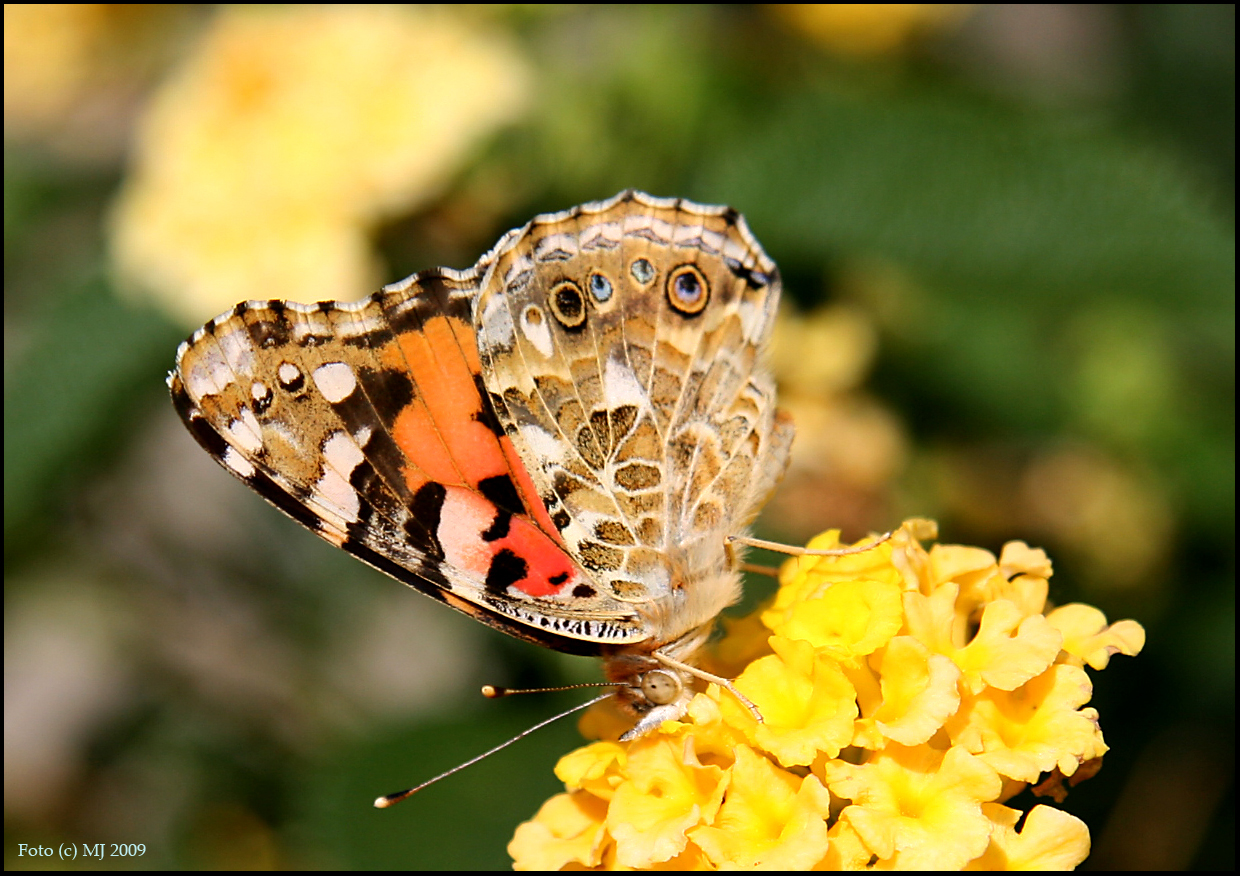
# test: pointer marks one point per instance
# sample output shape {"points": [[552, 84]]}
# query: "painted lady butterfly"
{"points": [[558, 441]]}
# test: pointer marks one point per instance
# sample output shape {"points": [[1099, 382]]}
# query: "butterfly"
{"points": [[558, 441]]}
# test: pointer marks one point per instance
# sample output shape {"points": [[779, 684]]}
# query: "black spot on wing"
{"points": [[360, 413], [262, 397], [422, 527], [390, 391], [506, 569], [500, 491], [269, 333], [377, 505], [499, 526], [388, 459], [754, 279], [370, 340], [486, 414], [429, 579]]}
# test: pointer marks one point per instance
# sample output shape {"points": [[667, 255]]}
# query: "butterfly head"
{"points": [[648, 690]]}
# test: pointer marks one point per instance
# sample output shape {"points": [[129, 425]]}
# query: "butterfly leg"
{"points": [[734, 562], [710, 677], [795, 551]]}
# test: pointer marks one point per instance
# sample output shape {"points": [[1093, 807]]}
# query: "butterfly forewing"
{"points": [[366, 424]]}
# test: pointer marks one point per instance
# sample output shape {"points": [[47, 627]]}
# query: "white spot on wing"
{"points": [[497, 322], [601, 235], [620, 386], [335, 380], [245, 431], [333, 490], [238, 352], [288, 373], [238, 463], [542, 443], [537, 332], [208, 375]]}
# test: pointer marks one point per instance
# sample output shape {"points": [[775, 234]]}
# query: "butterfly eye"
{"points": [[600, 287], [642, 271], [568, 304], [687, 290], [661, 687]]}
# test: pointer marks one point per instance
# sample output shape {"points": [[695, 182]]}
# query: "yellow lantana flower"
{"points": [[265, 160], [918, 808], [905, 695], [807, 702], [771, 819]]}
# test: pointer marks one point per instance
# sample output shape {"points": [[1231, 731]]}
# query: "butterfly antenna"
{"points": [[494, 691], [392, 799]]}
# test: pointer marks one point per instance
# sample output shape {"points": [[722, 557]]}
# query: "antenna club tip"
{"points": [[493, 692], [382, 802]]}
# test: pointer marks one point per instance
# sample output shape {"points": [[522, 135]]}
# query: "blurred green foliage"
{"points": [[1047, 266]]}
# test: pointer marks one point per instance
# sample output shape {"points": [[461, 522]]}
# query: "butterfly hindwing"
{"points": [[621, 346]]}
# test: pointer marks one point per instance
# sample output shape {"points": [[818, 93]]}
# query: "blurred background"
{"points": [[1007, 240]]}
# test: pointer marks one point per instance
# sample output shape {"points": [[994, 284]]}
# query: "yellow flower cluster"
{"points": [[906, 694], [264, 162]]}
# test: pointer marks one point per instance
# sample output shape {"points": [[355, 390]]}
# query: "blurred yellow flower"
{"points": [[870, 28], [905, 693], [73, 73], [263, 162], [49, 51], [849, 447]]}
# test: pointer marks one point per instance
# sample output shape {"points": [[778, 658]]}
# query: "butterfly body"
{"points": [[557, 442]]}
